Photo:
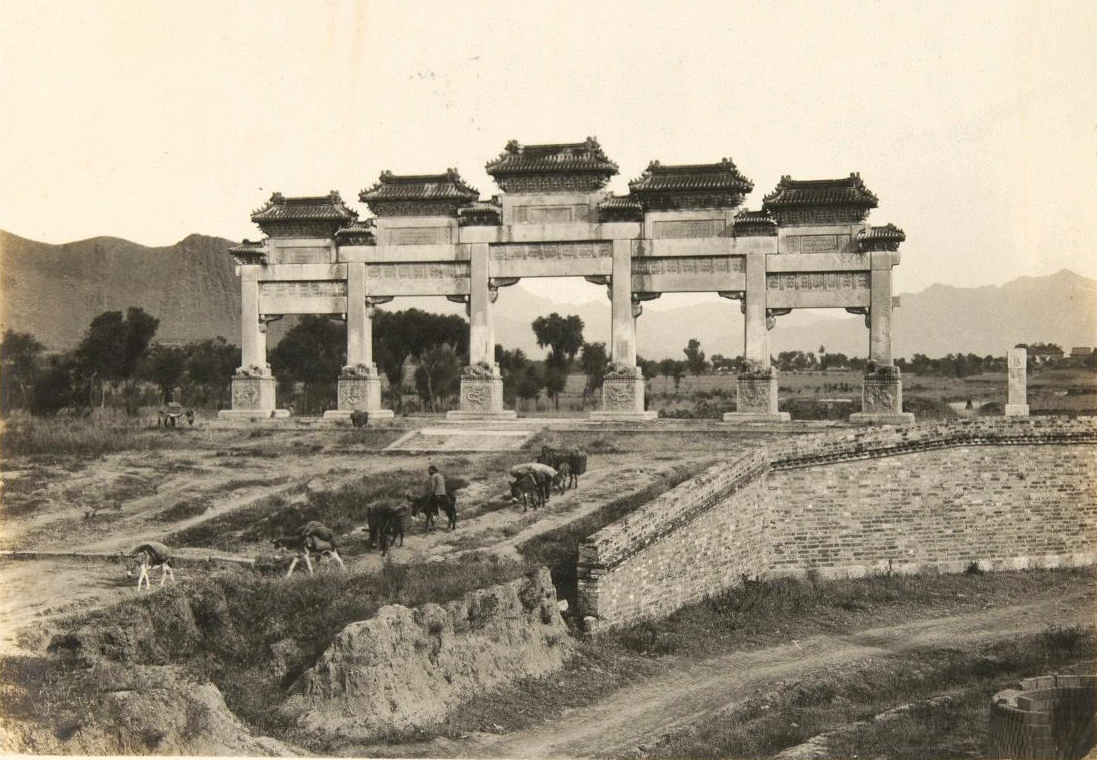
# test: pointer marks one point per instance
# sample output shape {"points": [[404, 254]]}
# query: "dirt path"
{"points": [[643, 714]]}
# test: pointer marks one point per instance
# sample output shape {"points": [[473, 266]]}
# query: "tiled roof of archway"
{"points": [[847, 191]]}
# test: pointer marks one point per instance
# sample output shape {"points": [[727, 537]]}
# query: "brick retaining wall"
{"points": [[1045, 717], [1004, 493]]}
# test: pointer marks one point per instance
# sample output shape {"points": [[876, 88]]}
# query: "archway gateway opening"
{"points": [[679, 230]]}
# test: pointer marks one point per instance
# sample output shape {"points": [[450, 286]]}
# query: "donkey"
{"points": [[529, 490], [150, 556], [311, 537], [386, 524]]}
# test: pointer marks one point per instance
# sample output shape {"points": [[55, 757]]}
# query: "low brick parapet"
{"points": [[810, 451], [1045, 717]]}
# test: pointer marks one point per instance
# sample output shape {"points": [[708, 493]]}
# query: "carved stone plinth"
{"points": [[253, 398], [756, 399], [1016, 410], [623, 398], [359, 389], [882, 399], [482, 399]]}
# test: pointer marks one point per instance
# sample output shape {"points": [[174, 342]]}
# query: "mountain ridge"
{"points": [[53, 291]]}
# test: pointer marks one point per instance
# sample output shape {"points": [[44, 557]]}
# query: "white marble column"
{"points": [[756, 386], [481, 382], [253, 385], [359, 388], [623, 385], [882, 389]]}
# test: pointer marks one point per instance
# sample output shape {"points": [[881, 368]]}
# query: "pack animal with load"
{"points": [[569, 464]]}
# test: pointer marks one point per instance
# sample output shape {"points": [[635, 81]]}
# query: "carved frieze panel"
{"points": [[302, 255], [418, 235], [550, 183], [420, 271], [688, 265], [689, 228], [819, 215], [550, 251], [818, 281], [303, 289], [549, 214], [816, 243]]}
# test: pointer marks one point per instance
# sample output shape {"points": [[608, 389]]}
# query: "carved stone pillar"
{"points": [[253, 385], [756, 386], [359, 384], [1017, 366], [481, 381], [623, 385], [882, 389]]}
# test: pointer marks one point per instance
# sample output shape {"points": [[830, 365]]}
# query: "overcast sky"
{"points": [[974, 122]]}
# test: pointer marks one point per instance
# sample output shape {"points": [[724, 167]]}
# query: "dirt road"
{"points": [[642, 714]]}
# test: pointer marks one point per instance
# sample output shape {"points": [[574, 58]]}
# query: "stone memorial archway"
{"points": [[681, 228]]}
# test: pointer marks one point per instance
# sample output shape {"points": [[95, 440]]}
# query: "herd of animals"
{"points": [[532, 484]]}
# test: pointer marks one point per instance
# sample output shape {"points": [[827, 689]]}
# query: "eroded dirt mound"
{"points": [[409, 667], [143, 710]]}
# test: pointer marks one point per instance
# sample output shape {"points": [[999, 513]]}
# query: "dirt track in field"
{"points": [[642, 715]]}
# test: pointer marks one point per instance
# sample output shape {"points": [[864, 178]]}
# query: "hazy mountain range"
{"points": [[53, 291]]}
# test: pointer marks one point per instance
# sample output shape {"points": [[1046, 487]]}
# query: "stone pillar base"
{"points": [[253, 398], [756, 396], [253, 414], [359, 390], [344, 414], [882, 399], [482, 399], [623, 396], [602, 416], [757, 417], [882, 418], [1016, 410]]}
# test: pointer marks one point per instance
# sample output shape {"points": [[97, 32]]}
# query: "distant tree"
{"points": [[594, 362], [113, 345], [563, 336], [54, 388], [20, 357], [402, 334], [210, 365], [695, 357], [555, 380], [164, 366], [312, 353], [648, 367], [833, 360], [527, 382], [438, 374]]}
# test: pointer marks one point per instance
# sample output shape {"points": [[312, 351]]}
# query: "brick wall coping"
{"points": [[638, 530], [663, 515], [815, 450]]}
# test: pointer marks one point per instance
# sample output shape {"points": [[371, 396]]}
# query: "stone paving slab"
{"points": [[461, 439]]}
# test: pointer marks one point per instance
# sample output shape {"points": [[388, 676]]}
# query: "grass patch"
{"points": [[184, 510], [831, 701], [60, 436]]}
